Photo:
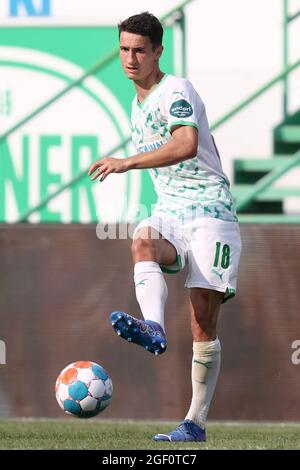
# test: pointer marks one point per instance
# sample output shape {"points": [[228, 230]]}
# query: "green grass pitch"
{"points": [[133, 435]]}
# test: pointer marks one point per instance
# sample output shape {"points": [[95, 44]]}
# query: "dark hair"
{"points": [[144, 24]]}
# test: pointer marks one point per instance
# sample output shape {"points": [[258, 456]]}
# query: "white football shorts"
{"points": [[210, 247]]}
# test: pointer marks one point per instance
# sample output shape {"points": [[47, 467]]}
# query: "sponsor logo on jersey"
{"points": [[181, 109], [149, 147]]}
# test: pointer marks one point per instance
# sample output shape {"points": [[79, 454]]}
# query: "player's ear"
{"points": [[158, 52]]}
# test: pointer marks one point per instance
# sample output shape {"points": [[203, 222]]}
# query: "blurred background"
{"points": [[64, 102]]}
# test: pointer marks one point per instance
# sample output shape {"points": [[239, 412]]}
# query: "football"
{"points": [[83, 389]]}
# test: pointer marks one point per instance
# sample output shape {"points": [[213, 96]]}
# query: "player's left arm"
{"points": [[183, 146]]}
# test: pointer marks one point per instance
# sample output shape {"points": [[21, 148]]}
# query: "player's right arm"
{"points": [[183, 146]]}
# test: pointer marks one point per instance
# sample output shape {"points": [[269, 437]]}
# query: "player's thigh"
{"points": [[148, 240], [167, 239]]}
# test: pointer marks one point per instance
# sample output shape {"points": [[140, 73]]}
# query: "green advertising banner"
{"points": [[57, 144]]}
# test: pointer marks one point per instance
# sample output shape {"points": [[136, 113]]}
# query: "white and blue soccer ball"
{"points": [[83, 389]]}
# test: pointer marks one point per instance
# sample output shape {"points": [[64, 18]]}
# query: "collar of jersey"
{"points": [[140, 105]]}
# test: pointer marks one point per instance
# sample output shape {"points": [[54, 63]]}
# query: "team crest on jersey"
{"points": [[181, 109]]}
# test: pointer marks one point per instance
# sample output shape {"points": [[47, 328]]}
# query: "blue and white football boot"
{"points": [[148, 334], [186, 431]]}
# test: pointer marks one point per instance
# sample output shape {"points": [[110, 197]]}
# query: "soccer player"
{"points": [[193, 222]]}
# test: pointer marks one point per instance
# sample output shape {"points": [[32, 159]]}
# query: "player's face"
{"points": [[138, 58]]}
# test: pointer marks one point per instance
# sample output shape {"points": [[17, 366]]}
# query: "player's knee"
{"points": [[142, 249], [203, 327], [204, 320]]}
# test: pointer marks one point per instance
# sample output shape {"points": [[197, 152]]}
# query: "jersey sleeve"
{"points": [[183, 105]]}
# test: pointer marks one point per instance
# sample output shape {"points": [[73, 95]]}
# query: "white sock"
{"points": [[205, 371], [151, 290]]}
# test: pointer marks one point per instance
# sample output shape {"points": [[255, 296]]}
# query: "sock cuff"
{"points": [[207, 347], [146, 267]]}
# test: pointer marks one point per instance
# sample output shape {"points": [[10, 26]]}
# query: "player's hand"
{"points": [[105, 166]]}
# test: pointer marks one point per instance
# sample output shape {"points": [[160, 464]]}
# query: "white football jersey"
{"points": [[195, 186]]}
